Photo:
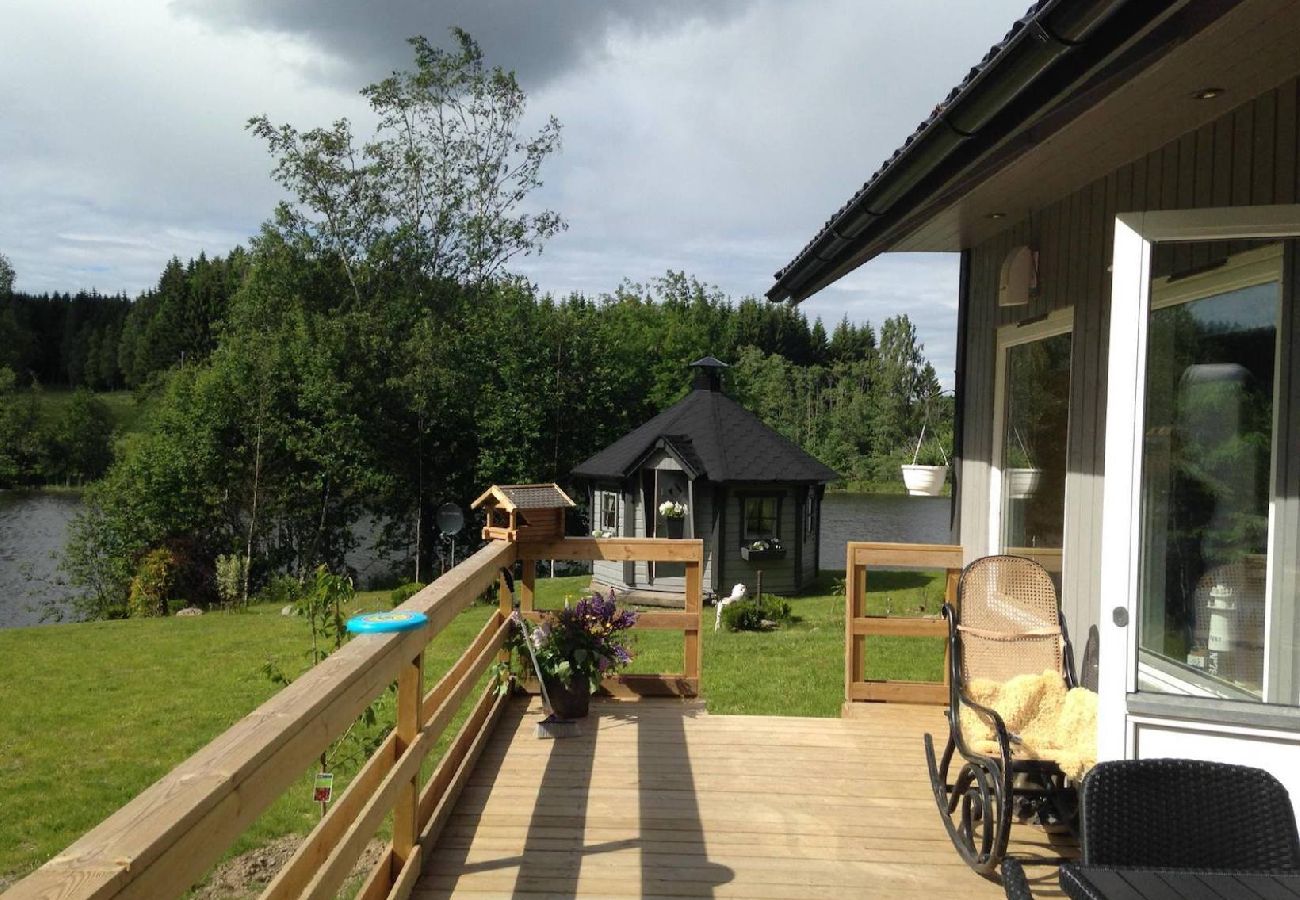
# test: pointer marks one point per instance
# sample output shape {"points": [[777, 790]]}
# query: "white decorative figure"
{"points": [[737, 593]]}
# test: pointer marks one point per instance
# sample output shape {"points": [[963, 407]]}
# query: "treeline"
{"points": [[104, 342], [373, 360]]}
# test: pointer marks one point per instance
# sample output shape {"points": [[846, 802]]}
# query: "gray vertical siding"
{"points": [[778, 574], [1248, 156]]}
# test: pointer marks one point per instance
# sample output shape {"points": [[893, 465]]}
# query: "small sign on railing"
{"points": [[324, 790]]}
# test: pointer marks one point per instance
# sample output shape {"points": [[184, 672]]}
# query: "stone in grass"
{"points": [[286, 610], [189, 611]]}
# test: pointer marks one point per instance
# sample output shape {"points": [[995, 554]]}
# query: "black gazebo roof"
{"points": [[714, 437]]}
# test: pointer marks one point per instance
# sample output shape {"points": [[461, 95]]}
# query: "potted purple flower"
{"points": [[575, 648]]}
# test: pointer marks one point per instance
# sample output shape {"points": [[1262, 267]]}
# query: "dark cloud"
{"points": [[538, 40]]}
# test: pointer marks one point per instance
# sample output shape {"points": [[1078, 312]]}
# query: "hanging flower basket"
{"points": [[1022, 483], [924, 481]]}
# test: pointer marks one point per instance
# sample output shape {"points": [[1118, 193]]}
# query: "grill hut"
{"points": [[708, 468]]}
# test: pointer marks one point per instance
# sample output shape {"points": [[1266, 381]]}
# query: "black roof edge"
{"points": [[1052, 32]]}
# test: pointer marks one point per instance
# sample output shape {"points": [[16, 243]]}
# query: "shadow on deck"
{"points": [[659, 798]]}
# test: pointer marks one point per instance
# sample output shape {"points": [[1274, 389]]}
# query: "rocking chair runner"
{"points": [[1007, 623]]}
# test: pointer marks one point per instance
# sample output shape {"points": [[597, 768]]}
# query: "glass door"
{"points": [[1201, 518], [1206, 465], [1031, 426]]}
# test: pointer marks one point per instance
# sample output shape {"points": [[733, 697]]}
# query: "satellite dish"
{"points": [[450, 519]]}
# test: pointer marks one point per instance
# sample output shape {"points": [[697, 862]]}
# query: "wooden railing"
{"points": [[858, 625], [161, 843], [688, 552]]}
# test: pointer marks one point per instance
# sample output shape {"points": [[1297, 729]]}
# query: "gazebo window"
{"points": [[609, 511], [759, 517]]}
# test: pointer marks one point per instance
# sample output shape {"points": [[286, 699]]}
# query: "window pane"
{"points": [[760, 517], [609, 511], [1206, 464], [1035, 422]]}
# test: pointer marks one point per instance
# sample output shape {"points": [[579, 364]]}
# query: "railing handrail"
{"points": [[163, 840], [173, 831]]}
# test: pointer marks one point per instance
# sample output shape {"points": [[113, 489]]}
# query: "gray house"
{"points": [[708, 468], [1121, 181]]}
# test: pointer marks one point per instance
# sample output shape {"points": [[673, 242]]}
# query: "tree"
{"points": [[437, 190], [83, 438], [6, 276]]}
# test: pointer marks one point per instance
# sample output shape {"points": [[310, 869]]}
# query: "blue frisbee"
{"points": [[383, 622]]}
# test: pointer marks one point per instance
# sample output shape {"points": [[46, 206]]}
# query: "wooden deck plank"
{"points": [[659, 798]]}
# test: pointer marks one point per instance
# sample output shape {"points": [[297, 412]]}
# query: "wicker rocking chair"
{"points": [[1007, 623]]}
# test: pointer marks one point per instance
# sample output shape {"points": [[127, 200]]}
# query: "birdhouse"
{"points": [[523, 512]]}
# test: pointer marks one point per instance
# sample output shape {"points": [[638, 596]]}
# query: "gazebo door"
{"points": [[669, 486]]}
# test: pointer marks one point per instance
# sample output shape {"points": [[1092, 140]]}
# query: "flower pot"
{"points": [[674, 528], [568, 702], [924, 481], [1022, 483]]}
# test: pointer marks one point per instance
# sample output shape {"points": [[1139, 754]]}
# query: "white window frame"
{"points": [[1057, 322], [1135, 233]]}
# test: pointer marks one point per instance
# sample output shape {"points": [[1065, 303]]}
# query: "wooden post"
{"points": [[506, 606], [854, 589], [528, 585], [406, 818], [693, 649]]}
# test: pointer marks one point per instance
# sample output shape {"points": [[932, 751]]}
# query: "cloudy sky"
{"points": [[713, 138]]}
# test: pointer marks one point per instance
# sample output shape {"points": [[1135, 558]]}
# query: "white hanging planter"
{"points": [[924, 481], [1022, 483]]}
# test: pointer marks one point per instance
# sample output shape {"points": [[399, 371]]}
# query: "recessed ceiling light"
{"points": [[996, 215], [1207, 93]]}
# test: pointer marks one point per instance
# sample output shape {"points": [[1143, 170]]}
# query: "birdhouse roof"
{"points": [[523, 496]]}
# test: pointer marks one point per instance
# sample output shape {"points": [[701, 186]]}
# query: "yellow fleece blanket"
{"points": [[1052, 722]]}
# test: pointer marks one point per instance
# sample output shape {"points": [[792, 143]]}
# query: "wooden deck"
{"points": [[659, 798]]}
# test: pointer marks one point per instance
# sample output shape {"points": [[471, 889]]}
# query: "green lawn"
{"points": [[125, 412], [91, 714]]}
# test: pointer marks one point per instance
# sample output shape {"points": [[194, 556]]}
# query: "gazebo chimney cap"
{"points": [[708, 362]]}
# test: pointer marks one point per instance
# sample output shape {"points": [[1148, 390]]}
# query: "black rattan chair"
{"points": [[1014, 881], [1183, 813], [1007, 622]]}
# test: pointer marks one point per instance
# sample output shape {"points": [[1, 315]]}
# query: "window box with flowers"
{"points": [[755, 551]]}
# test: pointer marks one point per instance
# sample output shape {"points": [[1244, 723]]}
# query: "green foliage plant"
{"points": [[152, 585], [230, 579], [757, 614], [403, 593]]}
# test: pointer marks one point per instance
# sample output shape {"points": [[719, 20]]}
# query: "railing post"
{"points": [[528, 585], [506, 606], [854, 590], [406, 818], [692, 650]]}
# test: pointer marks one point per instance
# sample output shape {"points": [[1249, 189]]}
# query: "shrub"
{"points": [[152, 584], [758, 614], [401, 594], [281, 590], [230, 578]]}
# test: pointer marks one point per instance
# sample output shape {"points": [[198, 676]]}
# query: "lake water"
{"points": [[34, 530]]}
